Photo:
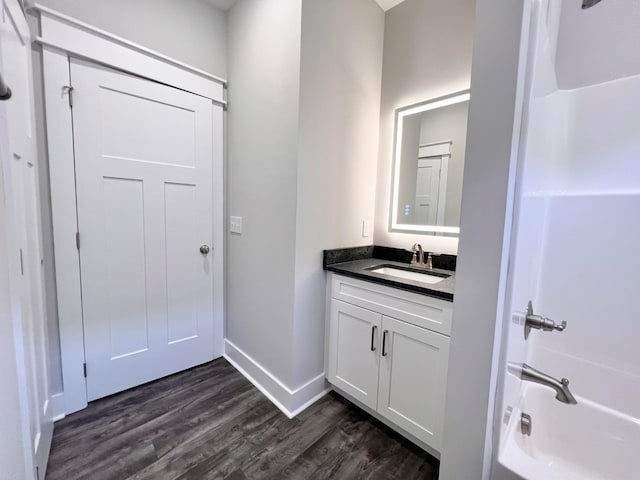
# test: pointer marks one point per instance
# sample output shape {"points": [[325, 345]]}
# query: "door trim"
{"points": [[85, 41], [62, 38]]}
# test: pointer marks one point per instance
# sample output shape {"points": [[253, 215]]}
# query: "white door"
{"points": [[427, 191], [144, 189], [354, 351], [413, 376], [21, 224]]}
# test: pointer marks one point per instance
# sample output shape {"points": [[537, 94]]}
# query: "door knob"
{"points": [[204, 249]]}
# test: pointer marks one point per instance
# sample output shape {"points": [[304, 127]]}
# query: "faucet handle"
{"points": [[540, 323]]}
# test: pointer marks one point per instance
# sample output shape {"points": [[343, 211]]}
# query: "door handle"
{"points": [[204, 249], [384, 343], [373, 334]]}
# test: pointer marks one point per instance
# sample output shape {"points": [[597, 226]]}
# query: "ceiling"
{"points": [[227, 4], [222, 4], [387, 4]]}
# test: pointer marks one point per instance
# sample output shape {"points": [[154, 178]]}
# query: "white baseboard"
{"points": [[290, 402], [56, 407]]}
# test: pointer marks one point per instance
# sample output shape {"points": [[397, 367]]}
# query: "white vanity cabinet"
{"points": [[389, 349]]}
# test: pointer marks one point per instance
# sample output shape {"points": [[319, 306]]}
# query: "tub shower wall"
{"points": [[576, 257]]}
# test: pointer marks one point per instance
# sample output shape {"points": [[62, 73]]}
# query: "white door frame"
{"points": [[63, 37]]}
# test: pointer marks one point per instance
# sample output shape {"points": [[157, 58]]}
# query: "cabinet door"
{"points": [[413, 375], [354, 346]]}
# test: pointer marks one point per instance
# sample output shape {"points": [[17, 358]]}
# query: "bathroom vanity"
{"points": [[388, 336]]}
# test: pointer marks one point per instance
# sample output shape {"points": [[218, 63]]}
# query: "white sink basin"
{"points": [[408, 275]]}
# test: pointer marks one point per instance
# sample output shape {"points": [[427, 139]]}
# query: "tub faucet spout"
{"points": [[561, 387]]}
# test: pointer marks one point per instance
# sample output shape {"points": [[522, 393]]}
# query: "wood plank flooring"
{"points": [[211, 423]]}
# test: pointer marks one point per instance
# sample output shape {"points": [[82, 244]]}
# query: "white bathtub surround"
{"points": [[563, 446], [576, 257]]}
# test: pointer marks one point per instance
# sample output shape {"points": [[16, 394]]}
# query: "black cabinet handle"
{"points": [[384, 341], [373, 334]]}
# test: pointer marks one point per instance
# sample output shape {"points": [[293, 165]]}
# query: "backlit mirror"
{"points": [[428, 164]]}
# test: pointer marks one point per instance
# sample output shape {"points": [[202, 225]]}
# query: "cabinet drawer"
{"points": [[421, 310]]}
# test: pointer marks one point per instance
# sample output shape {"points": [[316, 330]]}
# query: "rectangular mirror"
{"points": [[428, 165]]}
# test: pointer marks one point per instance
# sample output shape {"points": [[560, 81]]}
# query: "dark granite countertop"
{"points": [[356, 262]]}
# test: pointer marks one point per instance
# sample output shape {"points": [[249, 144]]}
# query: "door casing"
{"points": [[62, 38]]}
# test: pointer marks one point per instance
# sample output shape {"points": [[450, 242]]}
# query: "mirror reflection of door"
{"points": [[427, 191], [427, 182]]}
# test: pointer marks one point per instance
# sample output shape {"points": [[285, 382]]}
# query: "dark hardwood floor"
{"points": [[210, 422]]}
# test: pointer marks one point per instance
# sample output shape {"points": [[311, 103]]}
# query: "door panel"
{"points": [[144, 188], [125, 284], [413, 376], [180, 229], [427, 191], [353, 356]]}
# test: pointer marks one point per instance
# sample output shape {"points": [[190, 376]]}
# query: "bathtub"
{"points": [[586, 441]]}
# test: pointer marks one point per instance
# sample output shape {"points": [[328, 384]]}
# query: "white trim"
{"points": [[46, 11], [63, 37], [218, 246], [290, 401], [84, 41], [435, 149], [56, 407], [63, 214]]}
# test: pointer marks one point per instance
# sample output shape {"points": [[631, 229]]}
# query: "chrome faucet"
{"points": [[417, 248], [563, 394], [429, 261]]}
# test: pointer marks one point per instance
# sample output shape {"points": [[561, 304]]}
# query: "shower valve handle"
{"points": [[540, 323]]}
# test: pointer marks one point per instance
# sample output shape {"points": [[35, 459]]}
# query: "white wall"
{"points": [[598, 44], [264, 83], [192, 31], [489, 177], [427, 54], [304, 92], [340, 80]]}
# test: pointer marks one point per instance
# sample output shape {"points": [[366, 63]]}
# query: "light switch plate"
{"points": [[236, 225], [365, 228]]}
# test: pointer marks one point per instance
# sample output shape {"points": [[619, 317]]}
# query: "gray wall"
{"points": [[427, 54], [192, 31], [304, 91], [264, 81], [598, 44], [449, 123], [486, 214], [341, 70]]}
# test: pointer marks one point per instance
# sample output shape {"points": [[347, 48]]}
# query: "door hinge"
{"points": [[37, 473], [84, 369], [21, 263], [68, 90], [78, 240]]}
